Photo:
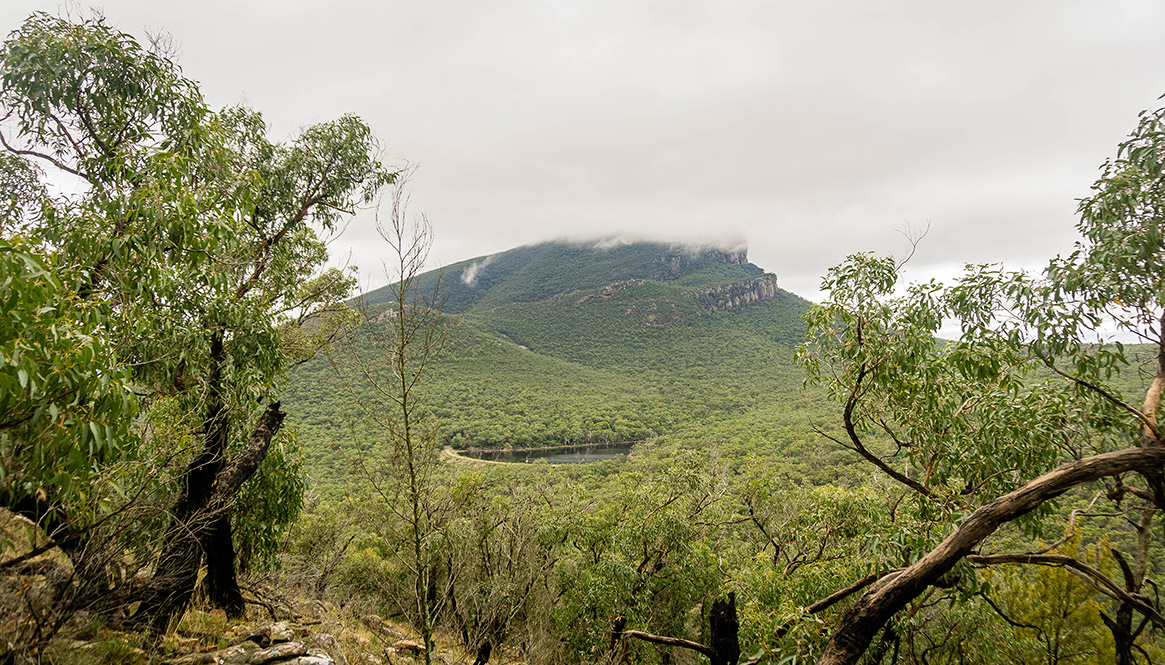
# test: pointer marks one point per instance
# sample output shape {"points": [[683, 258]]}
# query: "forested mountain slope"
{"points": [[536, 272], [562, 343]]}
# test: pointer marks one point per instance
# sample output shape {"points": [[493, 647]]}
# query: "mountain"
{"points": [[567, 343], [536, 272]]}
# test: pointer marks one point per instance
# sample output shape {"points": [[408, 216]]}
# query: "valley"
{"points": [[212, 449], [651, 404], [690, 346]]}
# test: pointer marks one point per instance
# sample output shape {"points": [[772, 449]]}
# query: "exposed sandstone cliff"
{"points": [[677, 262], [740, 294]]}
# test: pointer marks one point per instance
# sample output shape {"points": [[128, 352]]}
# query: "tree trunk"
{"points": [[894, 591], [200, 526], [617, 631], [169, 591], [172, 586], [483, 653], [724, 631], [1122, 635], [222, 589]]}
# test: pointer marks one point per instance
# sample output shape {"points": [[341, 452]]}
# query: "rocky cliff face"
{"points": [[740, 294], [678, 261]]}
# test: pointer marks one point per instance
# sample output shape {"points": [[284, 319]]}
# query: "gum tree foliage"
{"points": [[795, 543], [1024, 406], [61, 406], [640, 559], [200, 240]]}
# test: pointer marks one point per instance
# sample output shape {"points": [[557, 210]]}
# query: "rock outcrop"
{"points": [[740, 294], [273, 646], [610, 290], [677, 262]]}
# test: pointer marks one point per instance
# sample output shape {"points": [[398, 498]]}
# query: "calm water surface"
{"points": [[582, 455]]}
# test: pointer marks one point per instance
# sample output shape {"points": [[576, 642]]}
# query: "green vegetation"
{"points": [[151, 316], [537, 272], [988, 499], [736, 499], [59, 407], [623, 361]]}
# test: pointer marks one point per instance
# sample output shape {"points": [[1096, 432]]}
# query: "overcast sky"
{"points": [[808, 130]]}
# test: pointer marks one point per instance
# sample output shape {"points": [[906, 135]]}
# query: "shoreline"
{"points": [[571, 446], [457, 455]]}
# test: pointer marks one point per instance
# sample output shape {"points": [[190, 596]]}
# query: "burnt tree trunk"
{"points": [[220, 584], [173, 583], [171, 587], [1122, 634], [483, 653], [724, 631], [617, 631], [201, 528]]}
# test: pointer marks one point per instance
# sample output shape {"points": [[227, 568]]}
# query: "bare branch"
{"points": [[671, 642], [1098, 579], [40, 155], [914, 237]]}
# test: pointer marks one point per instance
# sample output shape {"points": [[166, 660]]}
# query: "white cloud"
{"points": [[469, 275]]}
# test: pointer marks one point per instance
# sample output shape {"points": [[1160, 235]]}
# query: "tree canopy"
{"points": [[183, 275], [1024, 406]]}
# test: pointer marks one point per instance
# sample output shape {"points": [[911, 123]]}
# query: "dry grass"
{"points": [[36, 629]]}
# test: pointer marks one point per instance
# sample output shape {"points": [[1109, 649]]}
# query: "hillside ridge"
{"points": [[538, 272], [565, 344]]}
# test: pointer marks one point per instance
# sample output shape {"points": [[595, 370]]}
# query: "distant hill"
{"points": [[537, 272], [567, 343]]}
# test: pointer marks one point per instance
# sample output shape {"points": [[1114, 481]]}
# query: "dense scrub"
{"points": [[989, 499]]}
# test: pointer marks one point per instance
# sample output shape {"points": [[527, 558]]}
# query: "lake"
{"points": [[573, 455]]}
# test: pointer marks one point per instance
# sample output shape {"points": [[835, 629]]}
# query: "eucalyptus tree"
{"points": [[205, 242], [500, 548], [384, 364], [640, 559], [1024, 406]]}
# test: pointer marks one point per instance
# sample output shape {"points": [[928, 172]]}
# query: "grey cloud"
{"points": [[810, 130]]}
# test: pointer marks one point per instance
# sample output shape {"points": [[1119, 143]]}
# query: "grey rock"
{"points": [[310, 660], [282, 632], [279, 653]]}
